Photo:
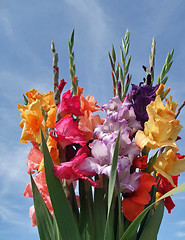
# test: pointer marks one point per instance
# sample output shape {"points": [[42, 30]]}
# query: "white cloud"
{"points": [[13, 166], [92, 20], [14, 208], [180, 234], [10, 214], [181, 223], [178, 197], [6, 23]]}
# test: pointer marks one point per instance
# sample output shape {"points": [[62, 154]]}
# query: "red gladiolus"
{"points": [[61, 85], [180, 156], [140, 162], [164, 187], [134, 204]]}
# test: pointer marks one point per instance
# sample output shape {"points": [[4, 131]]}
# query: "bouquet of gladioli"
{"points": [[102, 178]]}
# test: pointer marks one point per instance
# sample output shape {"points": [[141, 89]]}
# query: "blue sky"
{"points": [[26, 30]]}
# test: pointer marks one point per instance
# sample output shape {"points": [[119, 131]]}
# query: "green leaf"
{"points": [[121, 75], [85, 223], [123, 43], [113, 172], [122, 57], [151, 162], [43, 216], [74, 203], [168, 66], [126, 50], [117, 72], [129, 233], [120, 225], [64, 216], [99, 213], [127, 65], [109, 228], [25, 100], [72, 39], [111, 186], [163, 72], [56, 229], [111, 62], [152, 226], [165, 80], [113, 54]]}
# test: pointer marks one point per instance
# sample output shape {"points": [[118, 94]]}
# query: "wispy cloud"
{"points": [[13, 167], [181, 223], [180, 234], [176, 197], [6, 23], [14, 208], [93, 17], [10, 214]]}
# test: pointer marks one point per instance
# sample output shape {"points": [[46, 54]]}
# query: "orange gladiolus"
{"points": [[87, 103], [87, 124], [51, 117], [54, 153], [46, 100], [31, 95], [32, 121]]}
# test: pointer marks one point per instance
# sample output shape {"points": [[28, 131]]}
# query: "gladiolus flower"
{"points": [[164, 187], [70, 170], [168, 164], [51, 117], [40, 181], [54, 153], [141, 97], [34, 158], [31, 95], [32, 121], [69, 105], [162, 128], [68, 132], [140, 162], [46, 100], [61, 85], [88, 103], [87, 124], [133, 204]]}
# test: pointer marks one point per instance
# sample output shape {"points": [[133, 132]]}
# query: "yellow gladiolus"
{"points": [[169, 164], [162, 128]]}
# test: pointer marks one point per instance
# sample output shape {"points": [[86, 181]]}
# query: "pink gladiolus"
{"points": [[33, 216], [69, 105], [70, 170], [68, 132], [40, 181], [34, 158]]}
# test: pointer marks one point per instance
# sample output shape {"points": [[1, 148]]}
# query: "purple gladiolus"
{"points": [[141, 97], [119, 116]]}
